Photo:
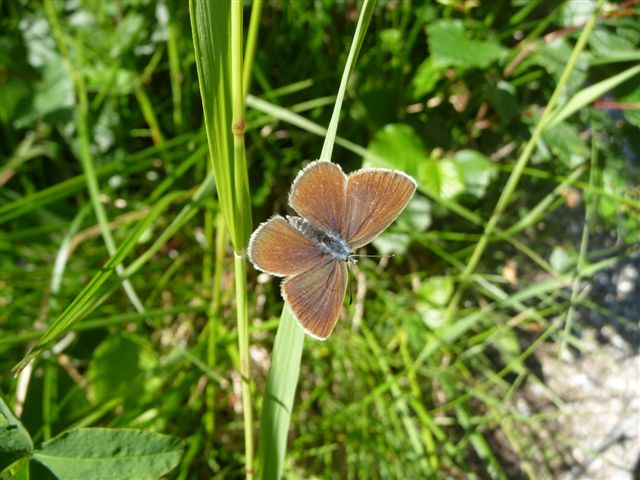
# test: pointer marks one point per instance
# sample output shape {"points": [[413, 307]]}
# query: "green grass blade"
{"points": [[358, 38], [211, 26], [279, 395], [86, 298], [281, 383], [91, 291], [86, 157], [584, 246], [137, 162], [586, 96], [188, 211]]}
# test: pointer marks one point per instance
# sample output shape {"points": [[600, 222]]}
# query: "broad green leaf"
{"points": [[41, 46], [450, 46], [17, 471], [124, 82], [436, 290], [14, 438], [127, 34], [120, 367], [15, 443], [502, 97], [391, 40], [53, 97], [477, 171], [432, 296], [110, 453], [441, 178], [577, 12], [426, 78], [417, 216], [565, 143], [392, 242], [616, 181], [396, 146], [605, 43]]}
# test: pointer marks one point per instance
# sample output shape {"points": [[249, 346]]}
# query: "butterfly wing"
{"points": [[276, 247], [316, 296], [318, 194], [375, 197]]}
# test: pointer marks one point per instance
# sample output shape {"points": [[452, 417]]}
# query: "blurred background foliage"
{"points": [[447, 91]]}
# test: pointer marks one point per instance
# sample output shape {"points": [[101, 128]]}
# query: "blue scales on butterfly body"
{"points": [[329, 242]]}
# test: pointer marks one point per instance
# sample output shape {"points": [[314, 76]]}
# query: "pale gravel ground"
{"points": [[599, 418]]}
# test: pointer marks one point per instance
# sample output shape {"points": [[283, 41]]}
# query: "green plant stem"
{"points": [[48, 396], [221, 243], [584, 246], [149, 116], [363, 22], [174, 65], [243, 219], [514, 178], [240, 263], [250, 49], [212, 323]]}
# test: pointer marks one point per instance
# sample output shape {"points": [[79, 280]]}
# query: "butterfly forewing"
{"points": [[318, 194], [279, 249], [375, 197], [316, 296]]}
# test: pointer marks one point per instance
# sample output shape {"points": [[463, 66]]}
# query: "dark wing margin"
{"points": [[375, 198], [319, 194], [316, 297], [277, 248]]}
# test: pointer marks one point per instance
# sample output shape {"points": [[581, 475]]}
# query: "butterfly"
{"points": [[338, 214]]}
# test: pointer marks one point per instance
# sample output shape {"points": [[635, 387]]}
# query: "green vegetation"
{"points": [[143, 336]]}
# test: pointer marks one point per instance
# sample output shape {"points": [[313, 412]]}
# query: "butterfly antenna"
{"points": [[375, 256]]}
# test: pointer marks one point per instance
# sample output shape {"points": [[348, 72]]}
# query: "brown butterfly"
{"points": [[338, 213]]}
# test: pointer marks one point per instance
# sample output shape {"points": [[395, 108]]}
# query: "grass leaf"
{"points": [[274, 425]]}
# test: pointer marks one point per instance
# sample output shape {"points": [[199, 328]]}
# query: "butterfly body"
{"points": [[337, 214], [329, 242]]}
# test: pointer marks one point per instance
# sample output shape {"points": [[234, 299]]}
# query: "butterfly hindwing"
{"points": [[316, 296]]}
